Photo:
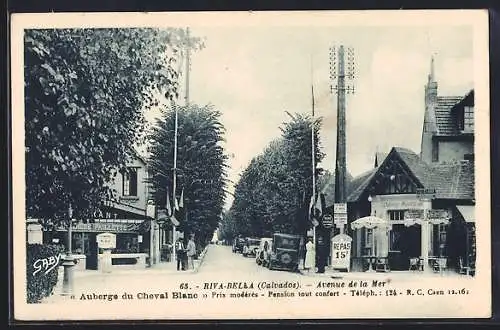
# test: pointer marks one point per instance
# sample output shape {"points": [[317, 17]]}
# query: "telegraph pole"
{"points": [[342, 84], [342, 79]]}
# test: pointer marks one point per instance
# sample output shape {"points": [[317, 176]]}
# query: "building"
{"points": [[448, 130], [437, 224], [128, 215]]}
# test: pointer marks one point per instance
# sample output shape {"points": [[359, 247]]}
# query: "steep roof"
{"points": [[443, 112], [359, 184], [452, 180]]}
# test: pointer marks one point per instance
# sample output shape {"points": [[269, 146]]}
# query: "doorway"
{"points": [[91, 251], [404, 243]]}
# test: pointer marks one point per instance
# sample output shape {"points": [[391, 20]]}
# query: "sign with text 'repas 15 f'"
{"points": [[106, 241], [341, 251]]}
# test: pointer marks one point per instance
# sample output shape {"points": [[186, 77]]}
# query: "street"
{"points": [[220, 264]]}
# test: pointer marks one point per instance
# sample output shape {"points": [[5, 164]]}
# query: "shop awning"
{"points": [[467, 212]]}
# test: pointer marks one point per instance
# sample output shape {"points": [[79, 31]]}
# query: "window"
{"points": [[369, 238], [130, 181], [440, 233], [469, 157], [435, 151], [396, 215], [468, 119]]}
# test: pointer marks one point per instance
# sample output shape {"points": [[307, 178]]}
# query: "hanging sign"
{"points": [[426, 193], [341, 251], [438, 214], [340, 219], [106, 241], [327, 221], [339, 208]]}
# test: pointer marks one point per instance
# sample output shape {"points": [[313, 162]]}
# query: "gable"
{"points": [[393, 177], [401, 172]]}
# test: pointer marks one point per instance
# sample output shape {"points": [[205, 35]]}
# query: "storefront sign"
{"points": [[102, 227], [341, 251], [438, 214], [106, 241], [399, 205], [414, 214], [426, 193]]}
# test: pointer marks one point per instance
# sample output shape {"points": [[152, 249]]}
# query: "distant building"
{"points": [[448, 130]]}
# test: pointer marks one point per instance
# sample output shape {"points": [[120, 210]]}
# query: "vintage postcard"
{"points": [[251, 165]]}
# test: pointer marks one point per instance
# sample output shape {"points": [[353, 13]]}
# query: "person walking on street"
{"points": [[180, 252], [310, 255], [191, 252]]}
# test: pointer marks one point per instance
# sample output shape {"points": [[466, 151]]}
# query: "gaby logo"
{"points": [[46, 264]]}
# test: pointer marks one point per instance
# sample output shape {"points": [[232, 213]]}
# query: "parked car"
{"points": [[284, 252], [263, 253], [238, 244], [251, 246]]}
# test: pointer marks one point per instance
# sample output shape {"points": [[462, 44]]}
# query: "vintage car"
{"points": [[285, 252], [251, 246], [263, 253], [238, 244]]}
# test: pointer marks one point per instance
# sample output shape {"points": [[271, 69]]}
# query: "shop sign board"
{"points": [[341, 251], [414, 214], [106, 241], [426, 193], [438, 214], [102, 227]]}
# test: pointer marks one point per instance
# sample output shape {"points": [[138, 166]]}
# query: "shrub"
{"points": [[39, 283]]}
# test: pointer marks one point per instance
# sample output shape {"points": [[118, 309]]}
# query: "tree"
{"points": [[274, 191], [201, 166], [85, 95]]}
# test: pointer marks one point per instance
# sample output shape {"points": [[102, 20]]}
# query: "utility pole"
{"points": [[342, 78], [188, 64]]}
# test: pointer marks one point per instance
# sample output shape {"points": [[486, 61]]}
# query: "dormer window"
{"points": [[466, 120]]}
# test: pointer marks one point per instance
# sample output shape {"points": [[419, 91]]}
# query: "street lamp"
{"points": [[68, 261]]}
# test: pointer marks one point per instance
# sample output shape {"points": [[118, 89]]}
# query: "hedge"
{"points": [[41, 270]]}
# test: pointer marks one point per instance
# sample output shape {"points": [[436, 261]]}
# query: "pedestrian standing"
{"points": [[180, 252], [310, 255], [191, 252]]}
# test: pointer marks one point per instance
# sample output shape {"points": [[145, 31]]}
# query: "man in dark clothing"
{"points": [[180, 251]]}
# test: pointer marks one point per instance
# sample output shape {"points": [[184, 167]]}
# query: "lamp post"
{"points": [[69, 261]]}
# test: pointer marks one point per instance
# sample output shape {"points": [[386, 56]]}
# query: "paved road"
{"points": [[219, 264]]}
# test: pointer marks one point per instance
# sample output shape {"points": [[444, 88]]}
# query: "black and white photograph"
{"points": [[251, 165]]}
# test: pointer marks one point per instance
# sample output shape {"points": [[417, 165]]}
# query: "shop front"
{"points": [[132, 243], [416, 234]]}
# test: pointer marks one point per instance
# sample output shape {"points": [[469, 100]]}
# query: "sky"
{"points": [[254, 74]]}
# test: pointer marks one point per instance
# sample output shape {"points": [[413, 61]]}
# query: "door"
{"points": [[91, 251]]}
